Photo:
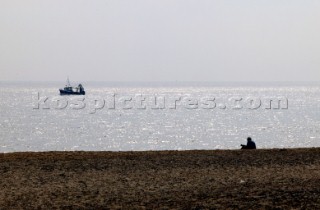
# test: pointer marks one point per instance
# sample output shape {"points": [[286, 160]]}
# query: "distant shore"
{"points": [[197, 179]]}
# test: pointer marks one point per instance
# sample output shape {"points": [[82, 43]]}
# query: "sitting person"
{"points": [[250, 144]]}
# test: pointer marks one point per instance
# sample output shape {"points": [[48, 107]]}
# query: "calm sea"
{"points": [[158, 116]]}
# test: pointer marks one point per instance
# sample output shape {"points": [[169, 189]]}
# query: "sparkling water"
{"points": [[186, 116]]}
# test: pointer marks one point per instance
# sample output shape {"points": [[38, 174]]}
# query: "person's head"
{"points": [[249, 139]]}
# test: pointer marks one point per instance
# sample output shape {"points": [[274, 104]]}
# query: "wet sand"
{"points": [[221, 179]]}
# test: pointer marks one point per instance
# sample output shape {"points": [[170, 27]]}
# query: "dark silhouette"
{"points": [[250, 144], [69, 90]]}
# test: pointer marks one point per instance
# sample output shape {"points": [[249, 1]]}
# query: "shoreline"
{"points": [[196, 179]]}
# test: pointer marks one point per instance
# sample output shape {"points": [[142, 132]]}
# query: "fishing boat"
{"points": [[69, 90]]}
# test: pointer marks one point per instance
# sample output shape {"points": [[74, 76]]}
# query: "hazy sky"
{"points": [[160, 40]]}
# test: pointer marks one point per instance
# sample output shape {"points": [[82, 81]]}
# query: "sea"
{"points": [[123, 116]]}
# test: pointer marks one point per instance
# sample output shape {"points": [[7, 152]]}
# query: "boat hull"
{"points": [[63, 92]]}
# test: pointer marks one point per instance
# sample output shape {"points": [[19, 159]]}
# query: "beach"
{"points": [[194, 179]]}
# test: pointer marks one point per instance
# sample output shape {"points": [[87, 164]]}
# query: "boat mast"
{"points": [[68, 82]]}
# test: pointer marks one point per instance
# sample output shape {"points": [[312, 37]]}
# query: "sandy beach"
{"points": [[220, 179]]}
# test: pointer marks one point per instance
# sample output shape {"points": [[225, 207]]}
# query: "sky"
{"points": [[160, 40]]}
